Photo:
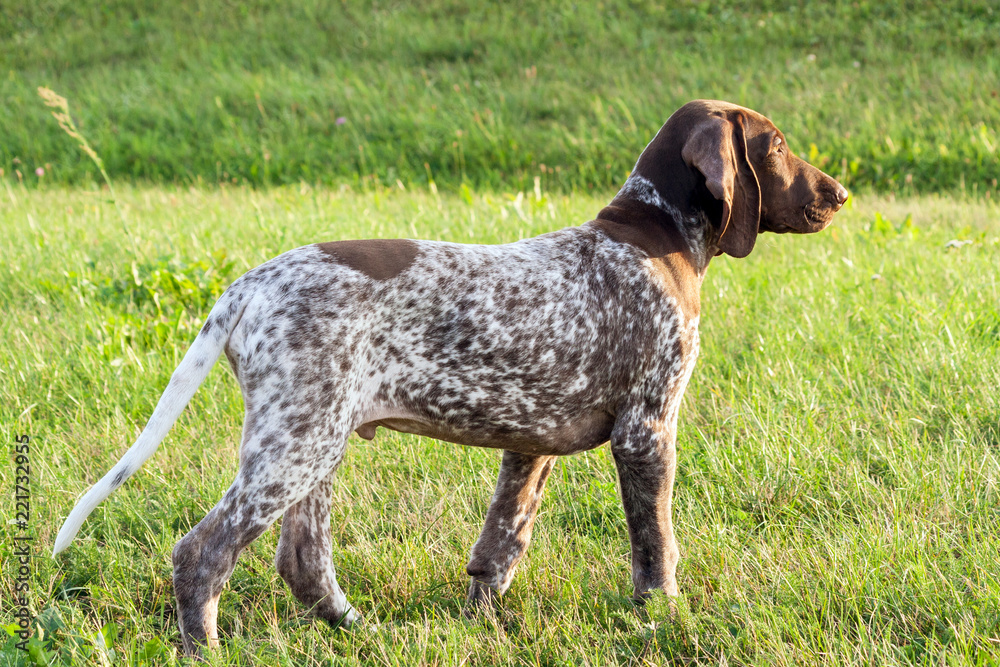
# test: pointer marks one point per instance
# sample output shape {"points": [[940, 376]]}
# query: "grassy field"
{"points": [[838, 489], [838, 493], [887, 96]]}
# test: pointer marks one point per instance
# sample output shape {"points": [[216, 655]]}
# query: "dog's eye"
{"points": [[778, 145]]}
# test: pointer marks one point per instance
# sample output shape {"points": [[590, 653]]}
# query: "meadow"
{"points": [[838, 485], [886, 96], [839, 468]]}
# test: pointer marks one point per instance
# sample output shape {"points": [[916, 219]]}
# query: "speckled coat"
{"points": [[543, 348]]}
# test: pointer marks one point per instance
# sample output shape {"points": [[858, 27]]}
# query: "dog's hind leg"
{"points": [[276, 472], [507, 531], [304, 557]]}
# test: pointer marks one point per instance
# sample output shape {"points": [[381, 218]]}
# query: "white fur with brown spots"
{"points": [[545, 347]]}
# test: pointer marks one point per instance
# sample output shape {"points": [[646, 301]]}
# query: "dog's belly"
{"points": [[580, 433]]}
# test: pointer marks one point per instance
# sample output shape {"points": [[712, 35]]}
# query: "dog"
{"points": [[542, 348]]}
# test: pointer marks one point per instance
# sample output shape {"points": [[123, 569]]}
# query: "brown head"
{"points": [[732, 165]]}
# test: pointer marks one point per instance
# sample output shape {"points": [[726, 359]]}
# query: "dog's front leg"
{"points": [[507, 531], [645, 455]]}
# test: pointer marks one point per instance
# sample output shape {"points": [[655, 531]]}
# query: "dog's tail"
{"points": [[188, 376]]}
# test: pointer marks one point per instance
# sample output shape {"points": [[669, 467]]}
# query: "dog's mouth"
{"points": [[819, 214], [809, 219], [824, 201]]}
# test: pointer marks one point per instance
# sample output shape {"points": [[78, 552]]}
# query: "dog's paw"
{"points": [[349, 620], [481, 598]]}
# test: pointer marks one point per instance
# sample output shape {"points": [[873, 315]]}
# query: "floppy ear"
{"points": [[717, 148]]}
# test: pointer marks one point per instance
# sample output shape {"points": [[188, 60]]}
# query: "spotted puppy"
{"points": [[542, 348]]}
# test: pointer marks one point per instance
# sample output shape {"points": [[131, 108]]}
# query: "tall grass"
{"points": [[895, 97], [839, 447]]}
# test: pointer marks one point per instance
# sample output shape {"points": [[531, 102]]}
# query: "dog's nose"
{"points": [[842, 195]]}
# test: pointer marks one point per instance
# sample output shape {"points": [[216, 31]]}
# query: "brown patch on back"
{"points": [[380, 259]]}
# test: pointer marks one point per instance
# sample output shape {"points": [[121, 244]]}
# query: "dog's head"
{"points": [[733, 164]]}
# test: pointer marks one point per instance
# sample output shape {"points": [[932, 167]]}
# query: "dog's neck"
{"points": [[662, 228]]}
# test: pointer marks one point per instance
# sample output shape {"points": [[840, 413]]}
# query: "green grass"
{"points": [[887, 96], [839, 449]]}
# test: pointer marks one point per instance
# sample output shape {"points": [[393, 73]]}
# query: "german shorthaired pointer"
{"points": [[542, 348]]}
